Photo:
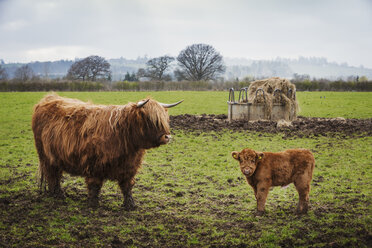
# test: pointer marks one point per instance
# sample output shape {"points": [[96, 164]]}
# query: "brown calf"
{"points": [[266, 169]]}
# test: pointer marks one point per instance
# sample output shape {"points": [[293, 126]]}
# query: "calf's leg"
{"points": [[255, 191], [261, 196], [302, 184], [94, 185]]}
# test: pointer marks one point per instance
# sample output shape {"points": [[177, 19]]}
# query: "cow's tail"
{"points": [[41, 180]]}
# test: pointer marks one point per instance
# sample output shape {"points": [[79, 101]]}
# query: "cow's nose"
{"points": [[247, 171], [164, 139], [167, 138]]}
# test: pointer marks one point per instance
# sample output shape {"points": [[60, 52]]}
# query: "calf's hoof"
{"points": [[300, 212], [259, 213], [302, 209]]}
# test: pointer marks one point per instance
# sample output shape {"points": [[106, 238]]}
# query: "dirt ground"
{"points": [[302, 127]]}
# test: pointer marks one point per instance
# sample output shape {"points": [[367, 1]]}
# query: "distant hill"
{"points": [[313, 67], [235, 68], [48, 69]]}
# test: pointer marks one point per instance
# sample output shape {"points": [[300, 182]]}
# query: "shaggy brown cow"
{"points": [[266, 169], [97, 142]]}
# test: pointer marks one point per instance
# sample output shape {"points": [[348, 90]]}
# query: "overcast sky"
{"points": [[41, 30]]}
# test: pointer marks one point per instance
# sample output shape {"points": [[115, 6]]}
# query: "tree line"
{"points": [[337, 85], [195, 63], [38, 84]]}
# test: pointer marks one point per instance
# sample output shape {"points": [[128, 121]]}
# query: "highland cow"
{"points": [[97, 142], [266, 169]]}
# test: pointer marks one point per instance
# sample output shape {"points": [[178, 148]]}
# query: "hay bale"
{"points": [[283, 123], [275, 90], [266, 99]]}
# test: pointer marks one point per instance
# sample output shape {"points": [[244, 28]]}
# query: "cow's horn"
{"points": [[142, 103], [170, 105]]}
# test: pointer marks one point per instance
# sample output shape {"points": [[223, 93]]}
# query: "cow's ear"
{"points": [[235, 155], [259, 155]]}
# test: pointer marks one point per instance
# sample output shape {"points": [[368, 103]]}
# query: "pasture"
{"points": [[191, 193]]}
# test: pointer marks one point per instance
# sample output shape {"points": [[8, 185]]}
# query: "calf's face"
{"points": [[248, 160]]}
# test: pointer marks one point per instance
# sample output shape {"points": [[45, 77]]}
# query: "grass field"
{"points": [[190, 193], [312, 104]]}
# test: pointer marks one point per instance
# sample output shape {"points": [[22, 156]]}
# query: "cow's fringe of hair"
{"points": [[158, 118]]}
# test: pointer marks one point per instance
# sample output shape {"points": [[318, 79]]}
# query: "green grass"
{"points": [[191, 193], [335, 104]]}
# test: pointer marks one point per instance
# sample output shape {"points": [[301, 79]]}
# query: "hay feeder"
{"points": [[261, 105]]}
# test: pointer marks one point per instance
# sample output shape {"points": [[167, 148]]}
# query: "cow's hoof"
{"points": [[129, 206], [58, 194], [259, 213]]}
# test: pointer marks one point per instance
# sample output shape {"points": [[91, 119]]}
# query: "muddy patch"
{"points": [[302, 127]]}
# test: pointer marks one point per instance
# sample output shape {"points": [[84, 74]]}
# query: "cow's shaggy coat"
{"points": [[97, 142], [266, 169]]}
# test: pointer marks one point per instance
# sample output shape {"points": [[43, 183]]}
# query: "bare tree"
{"points": [[200, 62], [78, 70], [24, 73], [157, 67], [141, 73], [179, 75], [3, 74], [91, 68]]}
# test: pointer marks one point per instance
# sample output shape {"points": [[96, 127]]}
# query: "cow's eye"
{"points": [[252, 160]]}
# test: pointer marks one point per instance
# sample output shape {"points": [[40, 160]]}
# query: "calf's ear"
{"points": [[259, 155], [235, 155]]}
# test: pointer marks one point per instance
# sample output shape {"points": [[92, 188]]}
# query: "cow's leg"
{"points": [[50, 174], [262, 190], [53, 177], [302, 184], [126, 186], [94, 185]]}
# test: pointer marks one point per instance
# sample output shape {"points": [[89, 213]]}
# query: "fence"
{"points": [[65, 85]]}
